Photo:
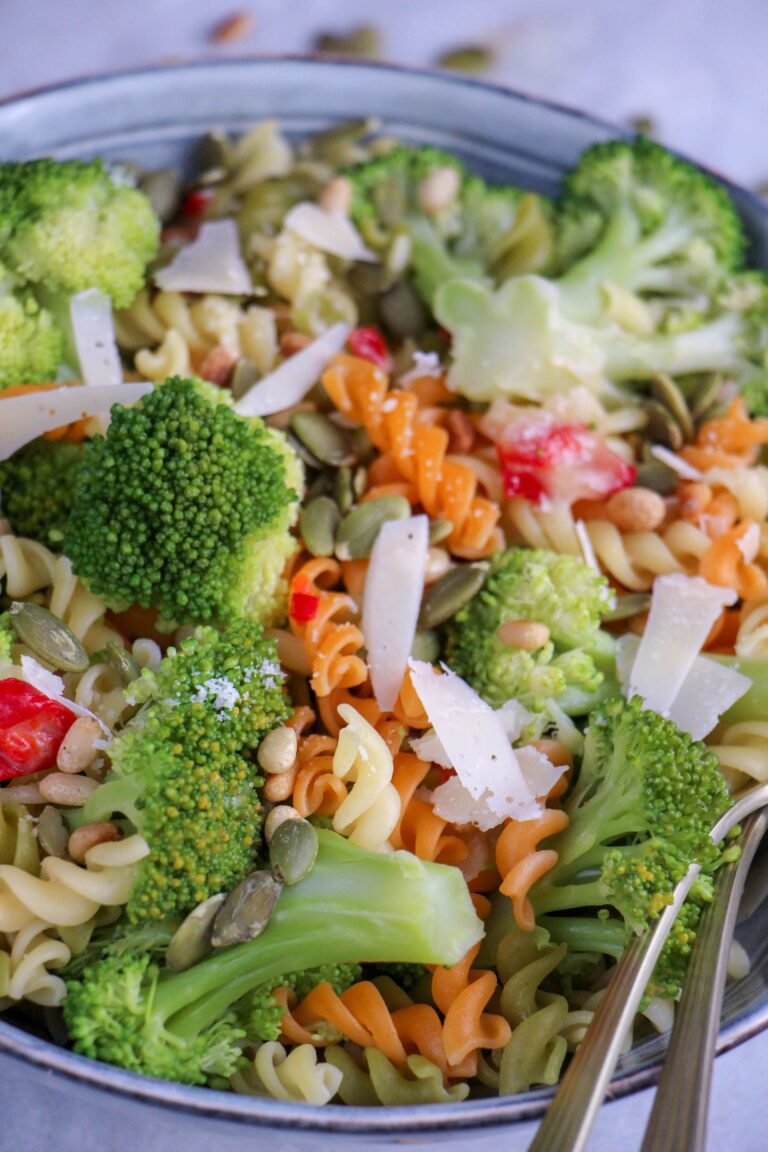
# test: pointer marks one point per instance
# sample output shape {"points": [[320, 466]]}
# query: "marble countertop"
{"points": [[696, 68]]}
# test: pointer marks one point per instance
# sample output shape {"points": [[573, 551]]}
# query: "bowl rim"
{"points": [[266, 1113]]}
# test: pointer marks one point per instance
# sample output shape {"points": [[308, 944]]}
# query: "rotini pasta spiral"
{"points": [[65, 894], [417, 452], [420, 1082], [419, 829], [331, 640], [25, 970], [742, 750], [752, 635], [297, 1076], [369, 812], [521, 862]]}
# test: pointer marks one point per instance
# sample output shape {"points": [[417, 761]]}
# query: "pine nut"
{"points": [[277, 817], [280, 786], [636, 510], [336, 196], [459, 428], [72, 791], [439, 189], [277, 750], [526, 634], [292, 342], [77, 751], [438, 563], [89, 835]]}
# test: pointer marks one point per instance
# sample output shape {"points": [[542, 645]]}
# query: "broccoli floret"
{"points": [[477, 234], [186, 507], [119, 940], [72, 225], [180, 771], [574, 667], [635, 215], [641, 812], [660, 232], [37, 486], [259, 1012], [406, 976], [31, 343], [354, 906]]}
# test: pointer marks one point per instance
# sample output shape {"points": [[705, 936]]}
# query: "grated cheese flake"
{"points": [[291, 380], [212, 262], [331, 232]]}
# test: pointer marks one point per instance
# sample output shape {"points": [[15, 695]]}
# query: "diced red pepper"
{"points": [[32, 727], [369, 344], [446, 773], [544, 459], [195, 203], [303, 607]]}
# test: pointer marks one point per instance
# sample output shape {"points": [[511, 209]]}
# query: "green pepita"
{"points": [[362, 41], [662, 428], [360, 527], [664, 389], [705, 394], [473, 58], [402, 311], [303, 452], [319, 520], [327, 442], [163, 187], [426, 646], [658, 477], [191, 942], [244, 375], [293, 850], [120, 660], [450, 593], [343, 489], [246, 911], [439, 530], [48, 637], [630, 605]]}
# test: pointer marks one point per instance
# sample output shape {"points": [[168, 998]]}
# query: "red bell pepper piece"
{"points": [[303, 607], [195, 203], [32, 727], [369, 344], [543, 459]]}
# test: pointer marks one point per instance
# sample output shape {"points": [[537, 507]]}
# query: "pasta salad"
{"points": [[383, 604]]}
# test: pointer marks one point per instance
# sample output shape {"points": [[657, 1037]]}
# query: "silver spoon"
{"points": [[575, 1105]]}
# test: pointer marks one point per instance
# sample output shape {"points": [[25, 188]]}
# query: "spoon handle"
{"points": [[678, 1120]]}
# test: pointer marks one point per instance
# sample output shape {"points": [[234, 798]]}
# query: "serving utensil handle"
{"points": [[678, 1120]]}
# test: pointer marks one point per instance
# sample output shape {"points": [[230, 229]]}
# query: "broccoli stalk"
{"points": [[574, 668], [641, 812], [354, 906], [187, 507], [180, 771]]}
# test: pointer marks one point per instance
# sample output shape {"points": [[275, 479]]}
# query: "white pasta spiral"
{"points": [[66, 894], [372, 807], [752, 637], [298, 1077], [742, 750], [25, 970]]}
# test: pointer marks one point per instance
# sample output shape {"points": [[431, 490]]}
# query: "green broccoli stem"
{"points": [[354, 906], [587, 933], [712, 347], [566, 897]]}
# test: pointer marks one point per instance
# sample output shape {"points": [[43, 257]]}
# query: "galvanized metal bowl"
{"points": [[154, 117]]}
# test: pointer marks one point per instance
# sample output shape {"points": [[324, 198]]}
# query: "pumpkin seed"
{"points": [[48, 637], [656, 476], [426, 646], [473, 58], [246, 910], [191, 942], [163, 188], [327, 442], [360, 527], [52, 836], [318, 523], [705, 394], [362, 41], [402, 311], [662, 428], [126, 666], [343, 490], [302, 451], [214, 157], [664, 389], [630, 605], [293, 850], [244, 375], [450, 593], [439, 530]]}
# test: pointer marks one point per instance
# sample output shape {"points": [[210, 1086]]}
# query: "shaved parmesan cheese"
{"points": [[429, 748], [331, 232], [94, 332], [24, 418], [424, 364], [52, 685], [708, 691], [683, 610], [512, 715], [540, 773], [626, 650], [475, 742], [211, 263], [391, 602], [290, 382], [749, 543], [676, 463], [455, 803]]}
